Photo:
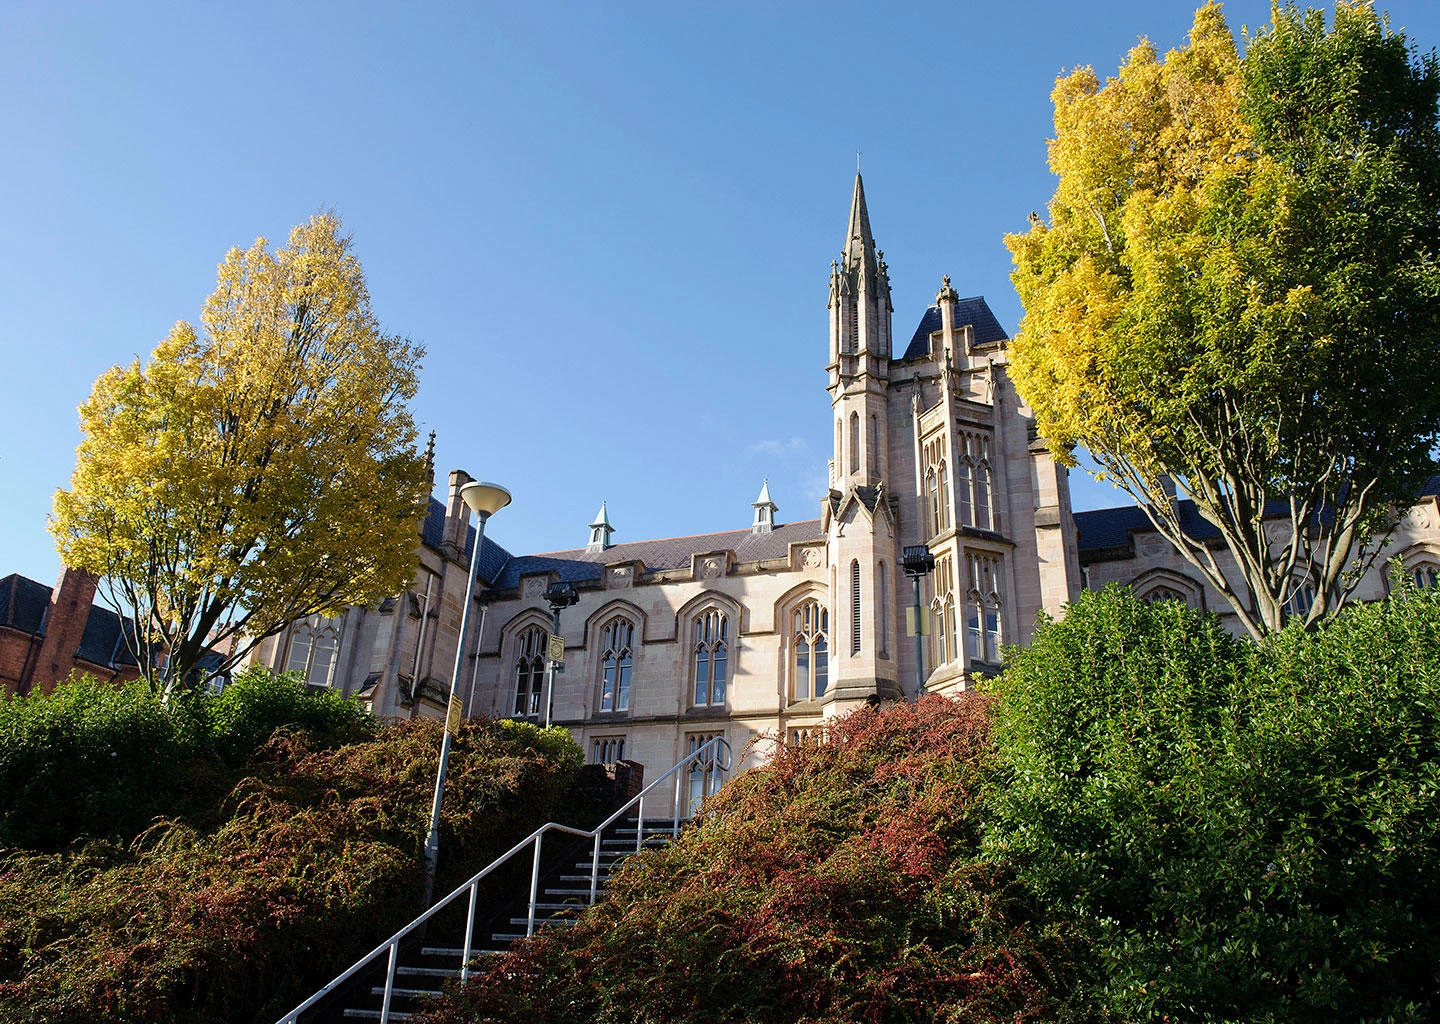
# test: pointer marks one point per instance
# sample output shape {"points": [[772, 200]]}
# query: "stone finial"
{"points": [[765, 510], [946, 293], [600, 531], [430, 460]]}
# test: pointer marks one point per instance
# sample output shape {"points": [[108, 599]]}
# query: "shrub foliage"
{"points": [[236, 911], [1242, 832], [840, 883]]}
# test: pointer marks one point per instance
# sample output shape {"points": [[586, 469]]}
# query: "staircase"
{"points": [[449, 941], [562, 894]]}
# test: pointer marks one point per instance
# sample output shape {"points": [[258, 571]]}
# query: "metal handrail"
{"points": [[714, 745]]}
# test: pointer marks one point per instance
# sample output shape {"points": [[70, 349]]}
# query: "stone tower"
{"points": [[858, 514]]}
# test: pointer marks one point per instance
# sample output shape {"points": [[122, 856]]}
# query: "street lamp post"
{"points": [[484, 500], [559, 595], [918, 561]]}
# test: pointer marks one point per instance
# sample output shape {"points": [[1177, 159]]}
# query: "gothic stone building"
{"points": [[761, 633]]}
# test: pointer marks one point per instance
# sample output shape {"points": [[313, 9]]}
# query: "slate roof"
{"points": [[1103, 529], [579, 565], [23, 603], [492, 557], [101, 643], [972, 311]]}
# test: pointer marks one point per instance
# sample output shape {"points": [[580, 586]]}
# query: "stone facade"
{"points": [[761, 634]]}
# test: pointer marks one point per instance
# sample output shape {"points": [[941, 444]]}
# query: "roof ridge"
{"points": [[660, 540]]}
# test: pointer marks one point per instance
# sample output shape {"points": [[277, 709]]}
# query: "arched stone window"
{"points": [[710, 657], [936, 485], [1425, 574], [882, 582], [854, 442], [617, 640], [313, 645], [1167, 585], [529, 670], [975, 482], [855, 609], [983, 607], [944, 641], [1301, 599], [810, 653], [1161, 592]]}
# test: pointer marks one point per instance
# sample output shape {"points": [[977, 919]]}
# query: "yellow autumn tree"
{"points": [[1235, 296], [256, 469]]}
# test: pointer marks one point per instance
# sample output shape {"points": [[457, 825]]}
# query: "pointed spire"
{"points": [[765, 510], [859, 242], [430, 460], [600, 531]]}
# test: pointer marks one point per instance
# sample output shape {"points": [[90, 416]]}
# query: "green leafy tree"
{"points": [[1237, 294], [257, 469]]}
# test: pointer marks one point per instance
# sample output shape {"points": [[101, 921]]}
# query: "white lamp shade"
{"points": [[485, 499]]}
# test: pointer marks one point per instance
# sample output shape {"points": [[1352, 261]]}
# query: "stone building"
{"points": [[762, 632]]}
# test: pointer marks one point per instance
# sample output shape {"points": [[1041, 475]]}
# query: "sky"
{"points": [[610, 225]]}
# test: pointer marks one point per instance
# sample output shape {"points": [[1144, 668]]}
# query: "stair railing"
{"points": [[714, 753]]}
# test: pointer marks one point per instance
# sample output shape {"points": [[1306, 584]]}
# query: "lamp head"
{"points": [[917, 560], [484, 499], [562, 595]]}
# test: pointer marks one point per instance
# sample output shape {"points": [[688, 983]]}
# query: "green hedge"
{"points": [[1242, 832], [93, 760]]}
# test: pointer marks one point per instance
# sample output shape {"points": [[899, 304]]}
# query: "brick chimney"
{"points": [[65, 620]]}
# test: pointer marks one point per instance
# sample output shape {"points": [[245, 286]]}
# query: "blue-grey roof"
{"points": [[1103, 529], [101, 643], [580, 565], [23, 603], [972, 311], [492, 557]]}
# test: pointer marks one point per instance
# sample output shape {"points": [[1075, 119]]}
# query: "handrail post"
{"points": [[389, 982], [639, 822], [534, 886], [595, 867], [678, 777], [469, 935]]}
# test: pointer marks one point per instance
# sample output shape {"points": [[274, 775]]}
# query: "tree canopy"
{"points": [[258, 468], [1236, 296]]}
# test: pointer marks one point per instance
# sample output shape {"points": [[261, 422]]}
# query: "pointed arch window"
{"points": [[983, 607], [710, 656], [872, 445], [529, 670], [975, 482], [1425, 575], [883, 602], [937, 485], [810, 667], [854, 442], [855, 606], [945, 642], [313, 645], [617, 640]]}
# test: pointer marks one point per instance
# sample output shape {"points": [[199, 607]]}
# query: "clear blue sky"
{"points": [[610, 224]]}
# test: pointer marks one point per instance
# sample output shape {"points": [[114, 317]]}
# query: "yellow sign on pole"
{"points": [[914, 628], [556, 648], [453, 715]]}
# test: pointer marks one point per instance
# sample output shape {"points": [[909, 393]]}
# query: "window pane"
{"points": [[702, 676], [822, 667], [607, 685], [802, 670], [299, 651], [624, 684], [718, 690]]}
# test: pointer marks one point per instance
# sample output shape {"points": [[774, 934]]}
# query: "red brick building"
{"points": [[46, 633]]}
